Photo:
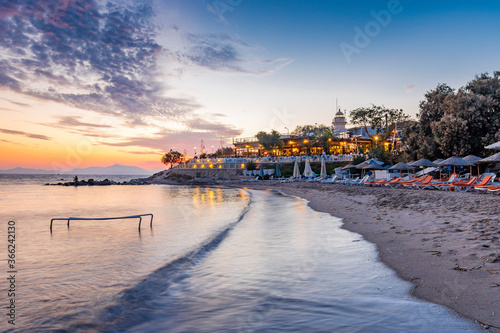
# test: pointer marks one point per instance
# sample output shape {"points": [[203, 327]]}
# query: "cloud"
{"points": [[222, 130], [74, 121], [94, 56], [177, 140], [29, 135], [409, 89], [142, 152], [221, 52], [104, 56], [11, 142], [15, 103], [9, 110]]}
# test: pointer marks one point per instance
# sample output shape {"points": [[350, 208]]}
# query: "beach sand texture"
{"points": [[446, 243]]}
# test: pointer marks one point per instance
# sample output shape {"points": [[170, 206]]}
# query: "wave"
{"points": [[134, 306]]}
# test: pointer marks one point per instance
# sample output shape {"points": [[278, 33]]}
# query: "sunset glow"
{"points": [[96, 83]]}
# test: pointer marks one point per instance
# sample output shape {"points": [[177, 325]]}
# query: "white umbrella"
{"points": [[307, 170], [296, 172], [495, 145], [323, 169]]}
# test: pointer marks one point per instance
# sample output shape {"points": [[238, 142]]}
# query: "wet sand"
{"points": [[446, 243]]}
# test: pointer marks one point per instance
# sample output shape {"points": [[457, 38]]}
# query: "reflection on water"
{"points": [[215, 260]]}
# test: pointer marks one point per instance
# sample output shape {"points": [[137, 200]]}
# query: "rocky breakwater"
{"points": [[105, 182]]}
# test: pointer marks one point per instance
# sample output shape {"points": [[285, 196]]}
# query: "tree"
{"points": [[380, 118], [415, 145], [458, 122], [380, 154], [270, 140], [324, 138], [172, 157], [310, 130], [225, 151]]}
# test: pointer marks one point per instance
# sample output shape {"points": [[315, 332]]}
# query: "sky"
{"points": [[94, 83]]}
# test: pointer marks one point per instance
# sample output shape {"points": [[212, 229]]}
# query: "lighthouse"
{"points": [[339, 122]]}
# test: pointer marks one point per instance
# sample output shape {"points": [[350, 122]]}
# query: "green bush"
{"points": [[358, 159], [251, 166]]}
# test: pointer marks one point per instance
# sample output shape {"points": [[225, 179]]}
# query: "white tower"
{"points": [[339, 121]]}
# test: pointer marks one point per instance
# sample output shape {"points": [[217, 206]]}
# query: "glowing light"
{"points": [[242, 165], [211, 166]]}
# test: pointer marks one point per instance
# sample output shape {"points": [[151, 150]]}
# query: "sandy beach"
{"points": [[446, 243]]}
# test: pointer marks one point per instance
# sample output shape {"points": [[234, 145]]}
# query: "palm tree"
{"points": [[324, 137]]}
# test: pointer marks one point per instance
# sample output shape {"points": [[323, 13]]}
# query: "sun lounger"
{"points": [[483, 185], [329, 180], [392, 183], [376, 183], [345, 181], [493, 189], [462, 185], [359, 181], [411, 181], [425, 183]]}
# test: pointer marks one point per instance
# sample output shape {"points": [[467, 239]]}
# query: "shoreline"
{"points": [[446, 243]]}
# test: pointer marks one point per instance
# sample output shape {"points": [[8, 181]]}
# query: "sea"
{"points": [[213, 260]]}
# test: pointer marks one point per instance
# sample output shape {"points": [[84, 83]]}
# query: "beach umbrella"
{"points": [[261, 173], [323, 174], [296, 172], [424, 163], [491, 159], [455, 161], [277, 173], [372, 165], [401, 166], [307, 169], [496, 146], [348, 168], [439, 160], [474, 160], [371, 161]]}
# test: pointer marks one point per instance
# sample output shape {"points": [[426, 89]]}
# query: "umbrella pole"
{"points": [[470, 175]]}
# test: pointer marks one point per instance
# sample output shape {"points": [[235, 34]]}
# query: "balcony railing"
{"points": [[241, 162]]}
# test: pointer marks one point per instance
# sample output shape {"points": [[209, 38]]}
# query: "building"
{"points": [[339, 122], [352, 140]]}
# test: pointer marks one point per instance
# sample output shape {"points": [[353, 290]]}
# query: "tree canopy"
{"points": [[172, 157], [269, 140], [380, 118], [457, 122], [310, 130]]}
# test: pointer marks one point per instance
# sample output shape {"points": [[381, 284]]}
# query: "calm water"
{"points": [[216, 260]]}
